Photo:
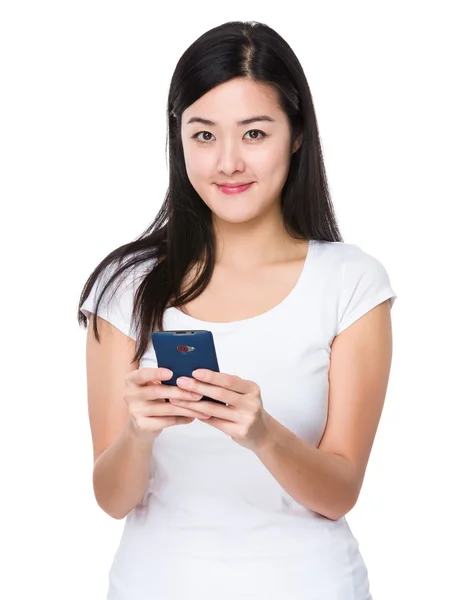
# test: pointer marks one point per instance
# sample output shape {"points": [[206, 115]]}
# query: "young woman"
{"points": [[246, 499]]}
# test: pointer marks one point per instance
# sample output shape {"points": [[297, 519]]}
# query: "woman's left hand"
{"points": [[244, 419]]}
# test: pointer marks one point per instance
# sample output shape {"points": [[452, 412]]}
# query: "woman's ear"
{"points": [[297, 143]]}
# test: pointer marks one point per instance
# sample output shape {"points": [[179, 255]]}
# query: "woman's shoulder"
{"points": [[343, 253], [351, 265], [113, 293]]}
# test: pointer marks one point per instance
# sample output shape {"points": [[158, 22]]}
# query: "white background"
{"points": [[82, 133]]}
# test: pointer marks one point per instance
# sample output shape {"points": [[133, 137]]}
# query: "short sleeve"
{"points": [[365, 284], [117, 302]]}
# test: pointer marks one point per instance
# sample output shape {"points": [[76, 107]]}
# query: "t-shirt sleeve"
{"points": [[116, 304], [365, 284]]}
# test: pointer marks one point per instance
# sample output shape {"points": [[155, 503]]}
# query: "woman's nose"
{"points": [[230, 159]]}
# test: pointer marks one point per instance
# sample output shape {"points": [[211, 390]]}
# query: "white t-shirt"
{"points": [[214, 523]]}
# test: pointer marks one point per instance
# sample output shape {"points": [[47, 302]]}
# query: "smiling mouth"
{"points": [[234, 185], [226, 189]]}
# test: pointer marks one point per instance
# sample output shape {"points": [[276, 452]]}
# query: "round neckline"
{"points": [[219, 325]]}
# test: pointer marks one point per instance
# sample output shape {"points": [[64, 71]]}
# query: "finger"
{"points": [[148, 375], [165, 409], [179, 421], [171, 421], [182, 420], [216, 393], [182, 411], [210, 409], [224, 380], [161, 392]]}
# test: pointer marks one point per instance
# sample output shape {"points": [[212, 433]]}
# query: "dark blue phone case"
{"points": [[184, 351]]}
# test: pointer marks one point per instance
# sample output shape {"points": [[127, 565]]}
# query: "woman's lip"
{"points": [[226, 189], [232, 186]]}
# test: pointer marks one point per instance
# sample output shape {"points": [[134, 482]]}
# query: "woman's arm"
{"points": [[325, 483], [328, 479], [121, 455], [121, 473]]}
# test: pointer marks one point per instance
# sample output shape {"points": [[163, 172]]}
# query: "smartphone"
{"points": [[184, 351]]}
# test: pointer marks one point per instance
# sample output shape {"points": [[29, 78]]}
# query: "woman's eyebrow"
{"points": [[244, 122]]}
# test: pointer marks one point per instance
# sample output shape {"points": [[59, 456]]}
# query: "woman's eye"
{"points": [[207, 133], [196, 136], [263, 134]]}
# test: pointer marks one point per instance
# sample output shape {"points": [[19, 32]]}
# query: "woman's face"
{"points": [[224, 151]]}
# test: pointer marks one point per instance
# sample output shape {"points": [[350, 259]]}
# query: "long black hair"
{"points": [[182, 236]]}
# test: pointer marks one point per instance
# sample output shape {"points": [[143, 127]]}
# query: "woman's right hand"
{"points": [[145, 396]]}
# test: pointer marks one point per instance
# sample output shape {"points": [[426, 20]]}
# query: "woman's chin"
{"points": [[234, 216]]}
